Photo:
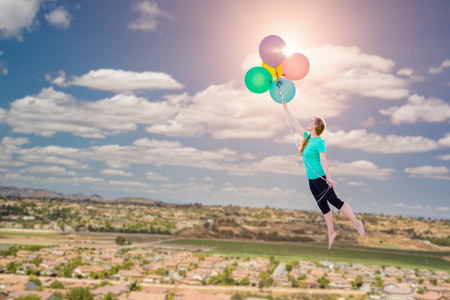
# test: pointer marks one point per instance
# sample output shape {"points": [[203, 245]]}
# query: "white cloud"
{"points": [[355, 183], [55, 170], [406, 72], [59, 18], [9, 148], [112, 172], [3, 68], [156, 176], [9, 141], [129, 183], [444, 157], [291, 165], [187, 188], [360, 168], [440, 69], [258, 192], [161, 153], [52, 111], [370, 122], [225, 112], [419, 109], [445, 141], [17, 16], [411, 74], [59, 81], [399, 204], [371, 142], [120, 81], [431, 172], [442, 208], [36, 157], [149, 13]]}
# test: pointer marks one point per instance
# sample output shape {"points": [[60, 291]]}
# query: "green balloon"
{"points": [[258, 80]]}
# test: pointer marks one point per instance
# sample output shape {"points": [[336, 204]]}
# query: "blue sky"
{"points": [[147, 98]]}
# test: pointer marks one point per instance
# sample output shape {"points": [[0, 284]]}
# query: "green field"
{"points": [[350, 254], [32, 234]]}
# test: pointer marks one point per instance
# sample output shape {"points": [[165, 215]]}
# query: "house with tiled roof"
{"points": [[397, 291], [317, 272], [430, 296], [145, 296], [130, 274], [443, 290], [309, 282], [152, 278], [117, 289], [85, 271], [340, 283], [41, 295]]}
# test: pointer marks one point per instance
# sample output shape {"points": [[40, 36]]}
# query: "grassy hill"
{"points": [[340, 253]]}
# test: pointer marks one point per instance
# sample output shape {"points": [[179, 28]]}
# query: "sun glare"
{"points": [[288, 51]]}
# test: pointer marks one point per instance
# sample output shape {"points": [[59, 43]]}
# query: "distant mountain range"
{"points": [[12, 191]]}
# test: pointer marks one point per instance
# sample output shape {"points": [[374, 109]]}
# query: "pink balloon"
{"points": [[271, 50], [295, 66]]}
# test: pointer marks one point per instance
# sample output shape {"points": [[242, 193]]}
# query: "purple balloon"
{"points": [[271, 50]]}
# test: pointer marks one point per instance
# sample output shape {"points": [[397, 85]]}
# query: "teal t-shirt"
{"points": [[311, 154]]}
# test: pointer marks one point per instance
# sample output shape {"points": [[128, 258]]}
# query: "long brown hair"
{"points": [[320, 128]]}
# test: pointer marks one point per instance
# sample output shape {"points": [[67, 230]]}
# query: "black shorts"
{"points": [[318, 187]]}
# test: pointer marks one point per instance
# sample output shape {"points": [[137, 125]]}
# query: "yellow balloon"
{"points": [[273, 71]]}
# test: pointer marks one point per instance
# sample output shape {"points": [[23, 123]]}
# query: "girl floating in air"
{"points": [[313, 151]]}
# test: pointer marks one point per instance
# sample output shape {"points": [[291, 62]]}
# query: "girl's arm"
{"points": [[324, 163], [293, 120]]}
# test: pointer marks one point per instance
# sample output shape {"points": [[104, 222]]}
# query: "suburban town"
{"points": [[98, 250]]}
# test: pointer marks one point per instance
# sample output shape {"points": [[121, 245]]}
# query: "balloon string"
{"points": [[324, 192]]}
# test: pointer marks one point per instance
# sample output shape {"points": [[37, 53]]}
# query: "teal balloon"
{"points": [[258, 80], [287, 90]]}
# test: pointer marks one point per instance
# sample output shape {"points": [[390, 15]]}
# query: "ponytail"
{"points": [[304, 143]]}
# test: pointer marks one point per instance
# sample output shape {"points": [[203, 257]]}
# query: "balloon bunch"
{"points": [[277, 70]]}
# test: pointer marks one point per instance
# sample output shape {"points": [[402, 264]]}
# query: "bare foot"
{"points": [[331, 239], [360, 229]]}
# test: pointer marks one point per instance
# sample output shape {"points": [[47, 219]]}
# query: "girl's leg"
{"points": [[330, 226], [358, 224]]}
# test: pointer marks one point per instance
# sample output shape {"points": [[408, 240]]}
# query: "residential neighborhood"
{"points": [[158, 271], [131, 249]]}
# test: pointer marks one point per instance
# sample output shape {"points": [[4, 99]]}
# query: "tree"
{"points": [[80, 293], [266, 280], [378, 282], [11, 267], [237, 296], [245, 281], [111, 296], [34, 280], [120, 240], [57, 285], [323, 281], [29, 297], [288, 268], [134, 286], [61, 225]]}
